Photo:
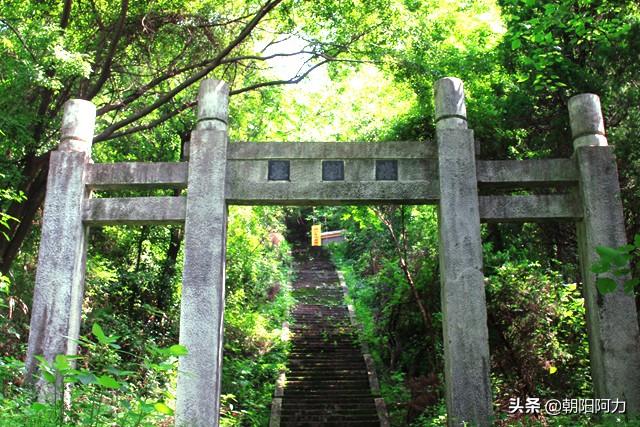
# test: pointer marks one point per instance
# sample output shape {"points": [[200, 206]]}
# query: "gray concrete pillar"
{"points": [[612, 320], [464, 313], [203, 277], [59, 286]]}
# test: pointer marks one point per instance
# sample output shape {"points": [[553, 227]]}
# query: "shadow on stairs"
{"points": [[330, 380]]}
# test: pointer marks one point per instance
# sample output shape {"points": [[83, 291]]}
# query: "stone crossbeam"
{"points": [[538, 208], [526, 173], [135, 211], [136, 176]]}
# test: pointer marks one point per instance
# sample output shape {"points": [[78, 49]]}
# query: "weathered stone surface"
{"points": [[332, 193], [587, 124], [540, 208], [248, 175], [451, 110], [526, 173], [78, 121], [466, 341], [331, 150], [612, 320], [202, 308], [59, 287], [135, 211], [213, 114], [120, 176]]}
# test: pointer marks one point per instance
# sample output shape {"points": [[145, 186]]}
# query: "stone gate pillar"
{"points": [[59, 285], [612, 320], [203, 277], [464, 313]]}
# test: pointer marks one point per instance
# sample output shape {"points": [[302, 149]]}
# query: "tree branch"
{"points": [[66, 14], [24, 44], [106, 65], [294, 80], [151, 124], [405, 268], [215, 62]]}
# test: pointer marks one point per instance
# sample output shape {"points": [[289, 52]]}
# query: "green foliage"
{"points": [[616, 260], [406, 345], [258, 300], [536, 314], [7, 195], [520, 60], [100, 392], [537, 330]]}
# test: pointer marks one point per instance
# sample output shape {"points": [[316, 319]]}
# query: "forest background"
{"points": [[365, 71]]}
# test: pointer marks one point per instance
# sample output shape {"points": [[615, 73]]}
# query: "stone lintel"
{"points": [[135, 210], [331, 193], [136, 176], [331, 150], [535, 208], [526, 173]]}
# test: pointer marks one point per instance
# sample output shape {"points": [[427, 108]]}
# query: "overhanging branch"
{"points": [[215, 62]]}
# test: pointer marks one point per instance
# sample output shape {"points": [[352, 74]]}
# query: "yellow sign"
{"points": [[316, 238]]}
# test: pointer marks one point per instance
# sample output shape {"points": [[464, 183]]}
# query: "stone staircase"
{"points": [[329, 381]]}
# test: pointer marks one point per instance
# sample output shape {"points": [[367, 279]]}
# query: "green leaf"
{"points": [[613, 255], [621, 272], [606, 285], [607, 253], [636, 240], [630, 284], [49, 377], [87, 378], [37, 406], [99, 333], [178, 350], [163, 409], [623, 259], [625, 248], [515, 44], [41, 359], [62, 363], [108, 382], [600, 267]]}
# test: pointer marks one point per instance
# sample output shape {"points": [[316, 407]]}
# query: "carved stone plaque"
{"points": [[386, 170], [333, 170], [279, 170]]}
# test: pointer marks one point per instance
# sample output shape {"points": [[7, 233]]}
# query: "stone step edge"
{"points": [[381, 406]]}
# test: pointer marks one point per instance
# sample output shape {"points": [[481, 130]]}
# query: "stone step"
{"points": [[327, 381], [314, 405]]}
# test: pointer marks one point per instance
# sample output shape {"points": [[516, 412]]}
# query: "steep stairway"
{"points": [[329, 382]]}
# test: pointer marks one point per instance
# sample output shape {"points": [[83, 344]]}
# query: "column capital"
{"points": [[451, 111], [78, 122], [213, 105], [587, 124]]}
